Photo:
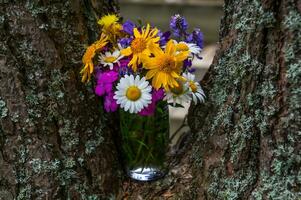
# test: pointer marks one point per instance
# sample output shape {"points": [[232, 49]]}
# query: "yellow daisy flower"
{"points": [[89, 55], [165, 67], [110, 26], [107, 20], [144, 43]]}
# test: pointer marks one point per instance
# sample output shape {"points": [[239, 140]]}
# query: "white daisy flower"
{"points": [[178, 95], [133, 94], [191, 47], [108, 59], [195, 88]]}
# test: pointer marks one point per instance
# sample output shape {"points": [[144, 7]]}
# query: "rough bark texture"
{"points": [[246, 137], [248, 133], [53, 140]]}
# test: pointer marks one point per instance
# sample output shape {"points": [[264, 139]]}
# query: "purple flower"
{"points": [[125, 42], [157, 95], [105, 82], [110, 103], [128, 27], [196, 37], [199, 38], [187, 63], [124, 68], [164, 37], [191, 70], [178, 25], [124, 62], [149, 110]]}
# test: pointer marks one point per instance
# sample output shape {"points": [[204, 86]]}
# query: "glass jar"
{"points": [[144, 143]]}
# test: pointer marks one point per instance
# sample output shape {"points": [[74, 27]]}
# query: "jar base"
{"points": [[146, 173]]}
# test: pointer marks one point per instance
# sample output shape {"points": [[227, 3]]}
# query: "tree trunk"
{"points": [[248, 133], [246, 137], [53, 139]]}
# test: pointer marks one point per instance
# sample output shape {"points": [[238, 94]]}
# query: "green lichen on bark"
{"points": [[54, 143], [3, 109], [248, 142]]}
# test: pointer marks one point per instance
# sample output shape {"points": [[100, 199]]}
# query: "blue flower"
{"points": [[187, 63], [178, 25], [128, 27], [125, 42], [192, 70], [196, 37], [164, 37]]}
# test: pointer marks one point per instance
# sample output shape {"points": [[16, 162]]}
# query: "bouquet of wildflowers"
{"points": [[136, 66]]}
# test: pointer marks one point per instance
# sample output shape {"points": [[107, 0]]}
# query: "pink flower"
{"points": [[149, 110], [110, 103], [105, 82], [157, 95]]}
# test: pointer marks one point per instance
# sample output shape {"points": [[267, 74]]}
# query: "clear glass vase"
{"points": [[144, 143]]}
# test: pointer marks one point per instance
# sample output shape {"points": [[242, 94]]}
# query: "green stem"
{"points": [[144, 137], [139, 149]]}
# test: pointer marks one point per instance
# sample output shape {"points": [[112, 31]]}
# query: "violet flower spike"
{"points": [[178, 25], [128, 27], [196, 37]]}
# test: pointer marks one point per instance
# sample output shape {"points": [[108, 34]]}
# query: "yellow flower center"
{"points": [[177, 90], [182, 47], [166, 63], [138, 45], [193, 86], [133, 93], [109, 59]]}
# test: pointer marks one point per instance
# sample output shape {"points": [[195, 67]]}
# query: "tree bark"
{"points": [[248, 133], [54, 142], [246, 137]]}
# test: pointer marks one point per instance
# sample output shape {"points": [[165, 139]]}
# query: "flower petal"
{"points": [[136, 33], [127, 51], [170, 48], [150, 74]]}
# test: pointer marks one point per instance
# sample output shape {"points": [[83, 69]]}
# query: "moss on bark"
{"points": [[54, 142], [247, 145]]}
